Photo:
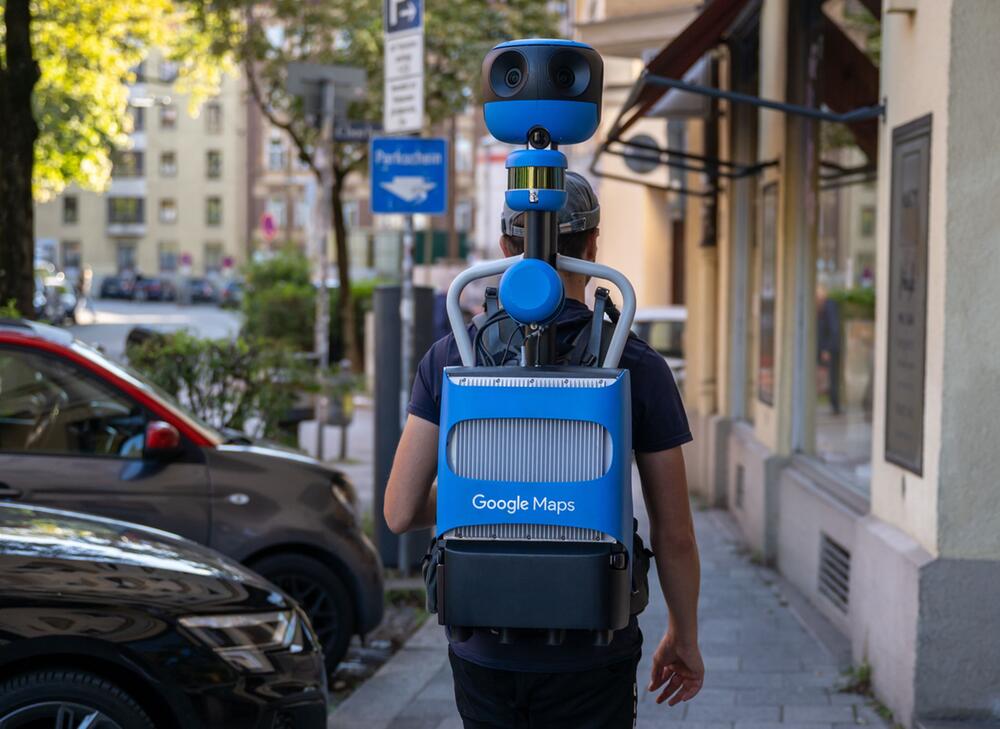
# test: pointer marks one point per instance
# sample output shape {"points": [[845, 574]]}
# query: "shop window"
{"points": [[213, 211], [845, 323], [71, 209], [168, 256], [213, 164], [125, 256], [277, 208], [302, 212], [168, 164], [213, 258]]}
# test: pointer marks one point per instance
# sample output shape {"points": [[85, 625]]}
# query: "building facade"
{"points": [[841, 354], [176, 203]]}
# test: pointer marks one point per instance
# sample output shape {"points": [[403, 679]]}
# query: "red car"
{"points": [[81, 432]]}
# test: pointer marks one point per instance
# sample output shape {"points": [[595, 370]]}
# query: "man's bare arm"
{"points": [[410, 497], [677, 663]]}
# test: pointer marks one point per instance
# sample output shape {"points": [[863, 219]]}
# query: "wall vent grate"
{"points": [[834, 572]]}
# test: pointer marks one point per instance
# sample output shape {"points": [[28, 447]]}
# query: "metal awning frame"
{"points": [[707, 165]]}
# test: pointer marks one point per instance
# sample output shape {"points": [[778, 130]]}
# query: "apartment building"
{"points": [[176, 203]]}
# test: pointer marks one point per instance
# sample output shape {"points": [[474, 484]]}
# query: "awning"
{"points": [[683, 104], [678, 56]]}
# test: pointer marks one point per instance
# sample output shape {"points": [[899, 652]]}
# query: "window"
{"points": [[138, 115], [463, 216], [352, 214], [125, 256], [139, 71], [845, 325], [464, 154], [276, 158], [127, 163], [213, 164], [213, 117], [213, 211], [302, 211], [71, 209], [71, 257], [213, 258], [277, 208], [168, 257], [168, 210], [126, 210], [48, 406], [168, 116], [168, 71], [168, 164]]}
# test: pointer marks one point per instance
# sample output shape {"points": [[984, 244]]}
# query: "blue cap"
{"points": [[531, 292]]}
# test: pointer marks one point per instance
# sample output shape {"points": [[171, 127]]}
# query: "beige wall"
{"points": [[915, 82]]}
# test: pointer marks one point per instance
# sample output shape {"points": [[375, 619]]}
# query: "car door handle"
{"points": [[8, 492]]}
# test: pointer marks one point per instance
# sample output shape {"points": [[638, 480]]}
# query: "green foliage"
{"points": [[280, 303], [856, 303], [225, 382], [10, 310]]}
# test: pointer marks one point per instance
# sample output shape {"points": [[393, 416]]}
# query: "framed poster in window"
{"points": [[907, 343], [768, 290]]}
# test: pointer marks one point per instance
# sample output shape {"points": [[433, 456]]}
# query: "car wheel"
{"points": [[67, 700], [321, 593]]}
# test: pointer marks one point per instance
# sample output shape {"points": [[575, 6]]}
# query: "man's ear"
{"points": [[505, 248], [590, 252]]}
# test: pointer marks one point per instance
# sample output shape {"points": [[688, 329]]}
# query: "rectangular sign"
{"points": [[403, 15], [409, 175], [403, 60], [907, 346], [355, 131]]}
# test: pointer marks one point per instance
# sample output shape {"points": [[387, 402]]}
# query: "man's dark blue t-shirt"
{"points": [[658, 423]]}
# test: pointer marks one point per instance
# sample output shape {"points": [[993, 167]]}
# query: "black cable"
{"points": [[506, 349], [495, 318]]}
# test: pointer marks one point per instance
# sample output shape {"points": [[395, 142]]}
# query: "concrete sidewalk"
{"points": [[771, 661]]}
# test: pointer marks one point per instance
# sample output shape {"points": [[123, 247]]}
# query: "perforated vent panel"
{"points": [[835, 572], [529, 450]]}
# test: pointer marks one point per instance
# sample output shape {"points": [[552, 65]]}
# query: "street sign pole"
{"points": [[324, 159]]}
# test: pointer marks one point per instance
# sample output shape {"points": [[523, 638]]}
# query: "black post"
{"points": [[541, 240]]}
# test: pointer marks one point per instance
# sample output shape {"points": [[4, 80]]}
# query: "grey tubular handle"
{"points": [[455, 318], [565, 263], [620, 336]]}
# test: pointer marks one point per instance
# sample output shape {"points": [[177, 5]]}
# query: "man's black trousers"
{"points": [[600, 698]]}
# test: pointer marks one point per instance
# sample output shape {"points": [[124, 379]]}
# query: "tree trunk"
{"points": [[18, 132], [345, 297]]}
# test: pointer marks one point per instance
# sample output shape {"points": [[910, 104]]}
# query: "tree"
{"points": [[266, 36], [63, 69]]}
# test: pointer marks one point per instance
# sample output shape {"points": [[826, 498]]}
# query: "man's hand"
{"points": [[679, 666]]}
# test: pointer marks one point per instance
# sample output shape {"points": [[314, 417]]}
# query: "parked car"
{"points": [[201, 290], [117, 287], [149, 288], [81, 432], [231, 296], [663, 328], [106, 624]]}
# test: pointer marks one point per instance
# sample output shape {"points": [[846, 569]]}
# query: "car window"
{"points": [[666, 337], [47, 406]]}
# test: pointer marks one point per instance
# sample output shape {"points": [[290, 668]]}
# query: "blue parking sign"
{"points": [[403, 15], [409, 175]]}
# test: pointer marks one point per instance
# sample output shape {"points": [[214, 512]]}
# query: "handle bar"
{"points": [[564, 263]]}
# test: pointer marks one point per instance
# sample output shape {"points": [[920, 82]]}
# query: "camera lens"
{"points": [[564, 77], [513, 77], [506, 73]]}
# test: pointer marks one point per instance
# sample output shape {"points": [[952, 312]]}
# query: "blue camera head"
{"points": [[542, 90]]}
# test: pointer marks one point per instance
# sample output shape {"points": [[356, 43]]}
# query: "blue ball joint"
{"points": [[531, 292]]}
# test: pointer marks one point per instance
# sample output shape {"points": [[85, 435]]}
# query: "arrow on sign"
{"points": [[411, 188], [408, 12]]}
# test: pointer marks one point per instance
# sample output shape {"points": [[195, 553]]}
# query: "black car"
{"points": [[109, 625], [201, 291], [78, 431], [117, 287], [149, 288]]}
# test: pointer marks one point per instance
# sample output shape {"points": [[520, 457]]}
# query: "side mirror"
{"points": [[162, 440]]}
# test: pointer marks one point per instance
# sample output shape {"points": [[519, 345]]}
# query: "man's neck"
{"points": [[574, 286]]}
